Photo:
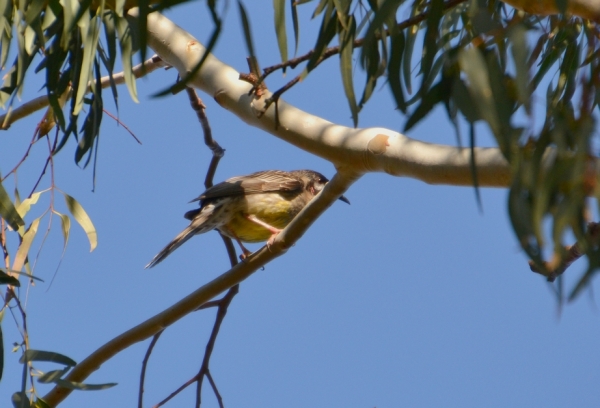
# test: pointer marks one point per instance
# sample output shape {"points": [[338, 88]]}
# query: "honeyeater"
{"points": [[252, 208]]}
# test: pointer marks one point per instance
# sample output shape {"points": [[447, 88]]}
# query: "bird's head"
{"points": [[315, 182]]}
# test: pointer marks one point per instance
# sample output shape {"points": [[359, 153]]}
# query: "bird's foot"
{"points": [[271, 239], [244, 255]]}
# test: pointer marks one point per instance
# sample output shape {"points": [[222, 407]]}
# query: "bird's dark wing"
{"points": [[255, 183]]}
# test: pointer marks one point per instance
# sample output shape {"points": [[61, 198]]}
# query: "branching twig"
{"points": [[144, 365], [558, 265], [122, 124], [215, 390], [14, 169], [217, 151]]}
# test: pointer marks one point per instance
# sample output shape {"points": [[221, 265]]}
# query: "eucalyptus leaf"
{"points": [[82, 219], [47, 356]]}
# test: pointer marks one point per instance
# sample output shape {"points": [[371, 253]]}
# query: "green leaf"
{"points": [[411, 37], [25, 206], [126, 45], [91, 130], [520, 53], [142, 27], [342, 7], [247, 30], [428, 102], [90, 38], [25, 245], [28, 275], [473, 64], [296, 26], [47, 356], [83, 387], [82, 219], [474, 167], [20, 400], [326, 34], [346, 48], [280, 31], [8, 210], [66, 228], [6, 279], [394, 64], [40, 403], [460, 96], [430, 41], [52, 376]]}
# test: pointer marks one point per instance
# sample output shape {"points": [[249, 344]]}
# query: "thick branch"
{"points": [[362, 150]]}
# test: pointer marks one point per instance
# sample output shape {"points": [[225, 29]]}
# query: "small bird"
{"points": [[252, 208]]}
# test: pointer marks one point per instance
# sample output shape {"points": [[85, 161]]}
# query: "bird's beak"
{"points": [[344, 199]]}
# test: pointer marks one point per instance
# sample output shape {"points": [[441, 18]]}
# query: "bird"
{"points": [[250, 208]]}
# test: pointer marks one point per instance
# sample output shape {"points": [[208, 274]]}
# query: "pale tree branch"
{"points": [[353, 152], [362, 150]]}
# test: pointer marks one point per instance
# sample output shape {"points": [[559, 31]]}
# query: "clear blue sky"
{"points": [[408, 297]]}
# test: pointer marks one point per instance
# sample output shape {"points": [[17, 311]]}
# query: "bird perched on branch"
{"points": [[252, 208]]}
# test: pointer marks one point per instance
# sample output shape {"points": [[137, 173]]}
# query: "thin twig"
{"points": [[14, 169], [221, 312], [215, 389], [177, 391], [217, 151], [122, 124], [145, 365], [558, 265]]}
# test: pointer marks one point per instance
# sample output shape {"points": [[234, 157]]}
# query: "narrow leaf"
{"points": [[280, 31], [396, 52], [247, 30], [83, 387], [428, 102], [28, 275], [473, 64], [25, 245], [474, 167], [20, 400], [126, 44], [66, 228], [346, 42], [520, 54], [8, 210], [52, 376], [47, 356], [6, 279], [25, 206], [82, 219], [296, 26]]}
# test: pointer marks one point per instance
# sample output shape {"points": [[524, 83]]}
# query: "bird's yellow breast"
{"points": [[274, 209]]}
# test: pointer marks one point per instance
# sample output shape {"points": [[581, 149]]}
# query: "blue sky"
{"points": [[408, 297]]}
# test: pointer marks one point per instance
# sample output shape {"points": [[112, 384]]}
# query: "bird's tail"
{"points": [[197, 226]]}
